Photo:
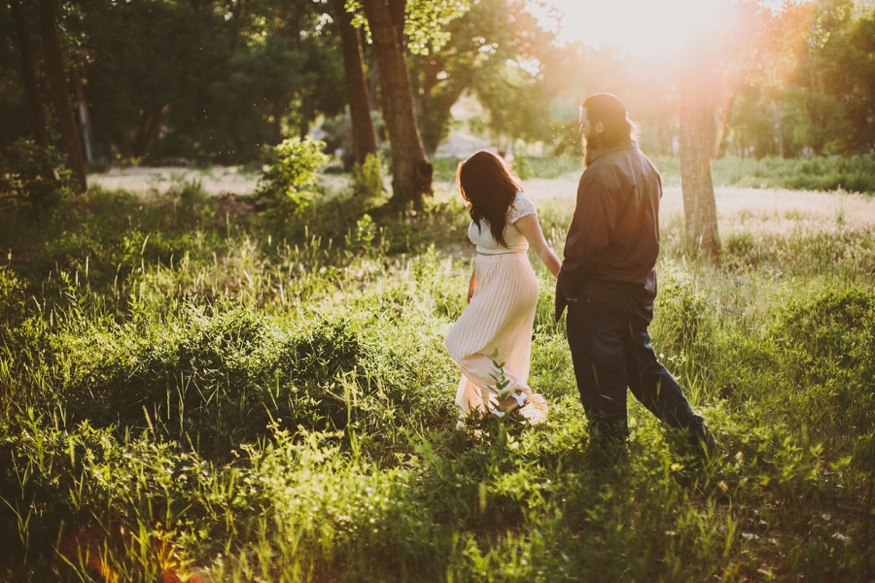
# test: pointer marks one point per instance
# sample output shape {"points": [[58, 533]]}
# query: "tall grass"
{"points": [[185, 395]]}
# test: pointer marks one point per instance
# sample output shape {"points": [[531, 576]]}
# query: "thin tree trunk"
{"points": [[306, 115], [697, 124], [411, 170], [28, 70], [726, 112], [60, 96], [779, 127], [84, 118], [373, 82], [150, 128], [363, 137]]}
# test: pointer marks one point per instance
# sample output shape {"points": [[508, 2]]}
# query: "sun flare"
{"points": [[644, 28]]}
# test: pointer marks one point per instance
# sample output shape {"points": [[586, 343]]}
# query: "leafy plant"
{"points": [[287, 183], [33, 180]]}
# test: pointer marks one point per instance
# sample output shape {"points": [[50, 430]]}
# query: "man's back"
{"points": [[613, 241]]}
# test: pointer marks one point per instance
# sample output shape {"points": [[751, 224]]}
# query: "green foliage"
{"points": [[287, 181], [835, 173], [236, 408], [12, 299], [34, 180], [367, 178], [173, 83]]}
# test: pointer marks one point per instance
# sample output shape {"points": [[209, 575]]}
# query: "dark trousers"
{"points": [[611, 351]]}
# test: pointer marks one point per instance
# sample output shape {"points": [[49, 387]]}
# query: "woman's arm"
{"points": [[472, 286], [531, 230]]}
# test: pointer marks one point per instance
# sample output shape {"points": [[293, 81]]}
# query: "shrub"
{"points": [[12, 298], [291, 167], [367, 178], [286, 185], [34, 179]]}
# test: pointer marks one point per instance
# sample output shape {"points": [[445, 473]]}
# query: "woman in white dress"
{"points": [[503, 293]]}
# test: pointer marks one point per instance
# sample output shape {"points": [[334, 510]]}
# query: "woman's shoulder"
{"points": [[521, 207]]}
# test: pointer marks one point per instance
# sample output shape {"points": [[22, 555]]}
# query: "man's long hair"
{"points": [[490, 186], [618, 126]]}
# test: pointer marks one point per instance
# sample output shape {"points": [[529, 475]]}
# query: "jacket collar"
{"points": [[599, 152]]}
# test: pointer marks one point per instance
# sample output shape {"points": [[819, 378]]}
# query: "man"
{"points": [[608, 281]]}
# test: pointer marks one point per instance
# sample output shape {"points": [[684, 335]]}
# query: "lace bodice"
{"points": [[516, 242]]}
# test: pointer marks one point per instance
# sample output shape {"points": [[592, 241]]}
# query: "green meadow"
{"points": [[195, 389]]}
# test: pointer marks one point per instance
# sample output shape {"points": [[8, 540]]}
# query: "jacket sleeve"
{"points": [[589, 234]]}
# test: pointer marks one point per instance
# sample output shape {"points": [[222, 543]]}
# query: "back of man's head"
{"points": [[610, 111]]}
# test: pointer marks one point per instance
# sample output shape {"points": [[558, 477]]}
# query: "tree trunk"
{"points": [[28, 70], [779, 128], [397, 16], [150, 128], [373, 82], [306, 115], [84, 118], [697, 125], [60, 96], [724, 124], [411, 170], [363, 137]]}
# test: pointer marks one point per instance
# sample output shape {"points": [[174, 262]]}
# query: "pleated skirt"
{"points": [[499, 319]]}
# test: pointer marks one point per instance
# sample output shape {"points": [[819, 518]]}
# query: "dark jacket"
{"points": [[613, 240]]}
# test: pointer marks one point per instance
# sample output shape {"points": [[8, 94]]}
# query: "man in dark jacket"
{"points": [[608, 281]]}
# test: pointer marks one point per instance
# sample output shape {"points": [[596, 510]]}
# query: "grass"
{"points": [[815, 174], [186, 394]]}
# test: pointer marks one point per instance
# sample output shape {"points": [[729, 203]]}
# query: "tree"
{"points": [[363, 135], [60, 97], [758, 50], [496, 51], [208, 80], [29, 76], [411, 170], [697, 138]]}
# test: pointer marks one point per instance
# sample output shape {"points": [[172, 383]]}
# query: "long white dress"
{"points": [[500, 317]]}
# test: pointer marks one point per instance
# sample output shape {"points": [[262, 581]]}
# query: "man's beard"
{"points": [[591, 143]]}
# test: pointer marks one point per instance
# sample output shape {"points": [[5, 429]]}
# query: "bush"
{"points": [[33, 180], [367, 178], [286, 185]]}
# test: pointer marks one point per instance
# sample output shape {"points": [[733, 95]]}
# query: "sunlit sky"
{"points": [[650, 29]]}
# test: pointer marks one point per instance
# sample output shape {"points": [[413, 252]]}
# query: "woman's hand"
{"points": [[472, 286], [531, 230]]}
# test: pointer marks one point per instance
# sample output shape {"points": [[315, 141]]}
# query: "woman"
{"points": [[497, 325]]}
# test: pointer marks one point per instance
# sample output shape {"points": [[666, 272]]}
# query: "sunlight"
{"points": [[646, 29]]}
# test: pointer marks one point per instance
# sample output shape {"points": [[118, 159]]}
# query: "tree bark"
{"points": [[150, 128], [697, 126], [306, 115], [60, 96], [28, 70], [363, 137], [373, 82], [779, 128], [411, 170], [725, 114], [84, 118]]}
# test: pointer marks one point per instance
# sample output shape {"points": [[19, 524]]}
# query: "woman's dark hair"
{"points": [[490, 186], [608, 109]]}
